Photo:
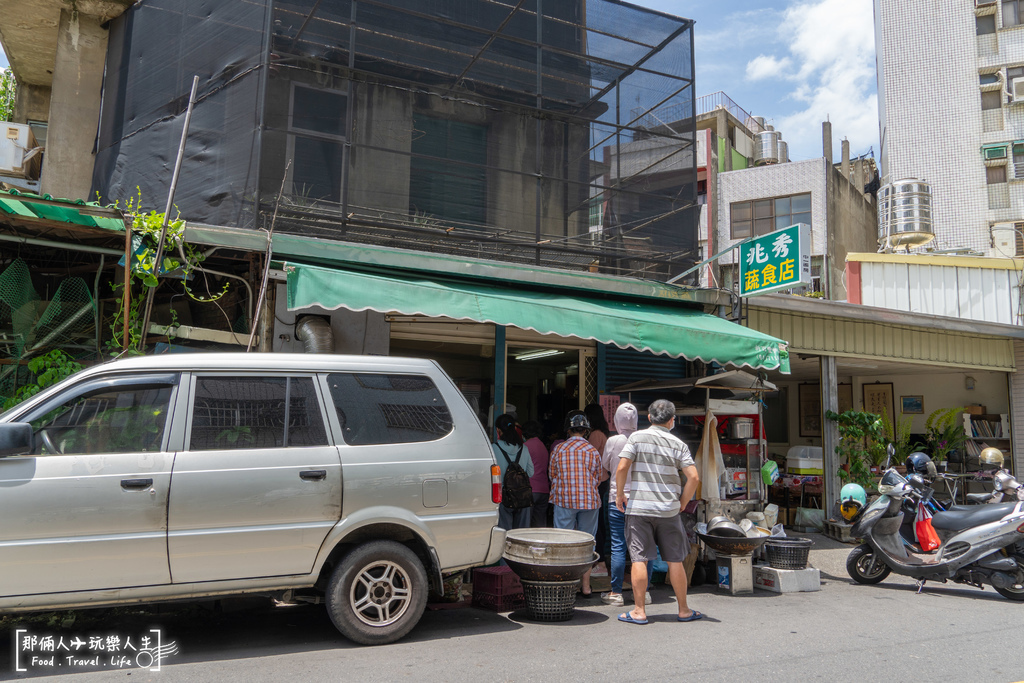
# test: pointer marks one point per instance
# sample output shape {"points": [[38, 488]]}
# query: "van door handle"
{"points": [[135, 484], [312, 475]]}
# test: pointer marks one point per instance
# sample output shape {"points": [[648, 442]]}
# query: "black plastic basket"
{"points": [[550, 600], [788, 553]]}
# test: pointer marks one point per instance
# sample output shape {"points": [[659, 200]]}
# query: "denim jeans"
{"points": [[579, 520], [617, 530], [513, 519]]}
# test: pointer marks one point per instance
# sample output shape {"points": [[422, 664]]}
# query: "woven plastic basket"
{"points": [[788, 553], [550, 600]]}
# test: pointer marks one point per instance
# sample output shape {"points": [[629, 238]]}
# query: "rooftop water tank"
{"points": [[783, 151], [904, 214], [766, 147]]}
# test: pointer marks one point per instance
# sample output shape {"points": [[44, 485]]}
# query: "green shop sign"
{"points": [[778, 260]]}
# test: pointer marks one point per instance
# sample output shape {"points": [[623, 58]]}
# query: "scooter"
{"points": [[984, 544]]}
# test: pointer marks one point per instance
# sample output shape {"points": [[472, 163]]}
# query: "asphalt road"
{"points": [[845, 632]]}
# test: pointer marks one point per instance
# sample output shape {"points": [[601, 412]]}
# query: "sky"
{"points": [[795, 62]]}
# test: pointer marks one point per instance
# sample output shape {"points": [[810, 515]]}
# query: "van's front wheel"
{"points": [[378, 593]]}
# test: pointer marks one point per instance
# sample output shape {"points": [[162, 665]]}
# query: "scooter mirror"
{"points": [[890, 451]]}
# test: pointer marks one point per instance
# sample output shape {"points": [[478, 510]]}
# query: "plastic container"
{"points": [[788, 553], [740, 428], [771, 515], [757, 518], [550, 600], [805, 460]]}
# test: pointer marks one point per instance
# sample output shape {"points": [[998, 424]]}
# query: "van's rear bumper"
{"points": [[497, 545]]}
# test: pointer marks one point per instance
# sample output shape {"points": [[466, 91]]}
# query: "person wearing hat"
{"points": [[575, 471]]}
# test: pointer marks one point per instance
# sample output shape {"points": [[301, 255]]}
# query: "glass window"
{"points": [[985, 25], [768, 215], [130, 419], [1014, 72], [763, 226], [322, 111], [381, 409], [763, 209], [782, 206], [801, 204], [741, 211], [251, 412], [988, 79], [991, 99], [1011, 13], [448, 175], [995, 174]]}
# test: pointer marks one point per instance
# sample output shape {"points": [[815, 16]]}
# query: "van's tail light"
{"points": [[495, 484]]}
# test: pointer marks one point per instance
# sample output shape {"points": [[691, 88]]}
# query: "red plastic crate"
{"points": [[498, 581], [499, 603]]}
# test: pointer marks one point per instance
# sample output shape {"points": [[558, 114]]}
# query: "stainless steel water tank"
{"points": [[905, 214], [783, 151], [766, 147]]}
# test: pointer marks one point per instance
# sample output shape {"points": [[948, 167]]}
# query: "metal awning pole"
{"points": [[708, 260], [167, 210]]}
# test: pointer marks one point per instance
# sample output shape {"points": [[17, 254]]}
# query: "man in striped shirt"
{"points": [[660, 464]]}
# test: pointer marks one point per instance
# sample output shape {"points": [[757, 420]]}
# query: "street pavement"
{"points": [[845, 632]]}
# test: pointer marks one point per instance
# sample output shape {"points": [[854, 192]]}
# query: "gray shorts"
{"points": [[646, 535]]}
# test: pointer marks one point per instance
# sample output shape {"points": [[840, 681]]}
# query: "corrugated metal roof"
{"points": [[835, 336]]}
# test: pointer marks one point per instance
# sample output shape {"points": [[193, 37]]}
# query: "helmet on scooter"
{"points": [[922, 464], [991, 459], [852, 499]]}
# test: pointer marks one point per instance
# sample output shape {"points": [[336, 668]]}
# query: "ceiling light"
{"points": [[543, 353]]}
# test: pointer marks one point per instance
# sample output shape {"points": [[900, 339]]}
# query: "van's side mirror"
{"points": [[15, 438]]}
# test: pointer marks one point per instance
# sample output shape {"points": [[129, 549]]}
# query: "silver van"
{"points": [[355, 480]]}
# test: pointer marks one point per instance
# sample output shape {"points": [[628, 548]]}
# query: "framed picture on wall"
{"points": [[810, 409], [912, 405], [878, 399]]}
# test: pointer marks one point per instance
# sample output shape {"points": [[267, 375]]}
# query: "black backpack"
{"points": [[516, 492]]}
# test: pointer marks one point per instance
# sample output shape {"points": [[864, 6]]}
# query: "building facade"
{"points": [[949, 113]]}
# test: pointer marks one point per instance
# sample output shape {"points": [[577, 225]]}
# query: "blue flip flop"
{"points": [[694, 616], [628, 618]]}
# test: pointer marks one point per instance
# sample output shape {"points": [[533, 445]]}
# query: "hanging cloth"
{"points": [[710, 464]]}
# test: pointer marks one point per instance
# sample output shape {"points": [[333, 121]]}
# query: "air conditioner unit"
{"points": [[1004, 240], [1017, 90], [19, 155], [993, 153]]}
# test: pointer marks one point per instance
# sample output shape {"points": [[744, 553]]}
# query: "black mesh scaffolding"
{"points": [[519, 130]]}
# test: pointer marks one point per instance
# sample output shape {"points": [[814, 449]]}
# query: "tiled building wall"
{"points": [[932, 126], [776, 180]]}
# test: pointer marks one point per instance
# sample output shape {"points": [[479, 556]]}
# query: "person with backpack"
{"points": [[575, 471], [516, 469]]}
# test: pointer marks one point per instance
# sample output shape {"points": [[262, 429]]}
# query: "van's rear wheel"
{"points": [[865, 567], [378, 593]]}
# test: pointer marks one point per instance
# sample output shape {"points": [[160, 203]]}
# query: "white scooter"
{"points": [[985, 543]]}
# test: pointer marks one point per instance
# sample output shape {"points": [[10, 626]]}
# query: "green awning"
{"points": [[31, 206], [663, 329]]}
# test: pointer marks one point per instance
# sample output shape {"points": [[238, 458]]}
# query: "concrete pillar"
{"points": [[829, 432], [74, 105], [826, 140], [845, 165], [722, 131], [858, 176]]}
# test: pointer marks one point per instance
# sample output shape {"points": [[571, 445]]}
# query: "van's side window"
{"points": [[129, 419], [252, 412], [382, 408]]}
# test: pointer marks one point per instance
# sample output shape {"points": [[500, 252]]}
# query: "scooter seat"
{"points": [[958, 520]]}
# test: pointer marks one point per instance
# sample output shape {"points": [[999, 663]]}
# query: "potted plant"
{"points": [[946, 435], [861, 444], [898, 434]]}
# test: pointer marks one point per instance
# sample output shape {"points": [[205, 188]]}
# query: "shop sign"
{"points": [[778, 260]]}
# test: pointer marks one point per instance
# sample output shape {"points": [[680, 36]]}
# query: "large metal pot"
{"points": [[549, 546], [529, 571], [740, 428]]}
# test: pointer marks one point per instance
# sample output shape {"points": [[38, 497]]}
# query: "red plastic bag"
{"points": [[926, 536]]}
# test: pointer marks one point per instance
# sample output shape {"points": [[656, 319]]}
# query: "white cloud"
{"points": [[767, 66], [831, 72]]}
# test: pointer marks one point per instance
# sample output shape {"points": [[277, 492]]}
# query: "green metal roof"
{"points": [[45, 207]]}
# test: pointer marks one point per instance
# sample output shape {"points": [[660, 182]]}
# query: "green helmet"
{"points": [[852, 500]]}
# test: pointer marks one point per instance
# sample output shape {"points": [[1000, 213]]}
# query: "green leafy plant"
{"points": [[945, 432], [898, 434], [861, 443], [146, 229], [8, 94], [49, 369]]}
